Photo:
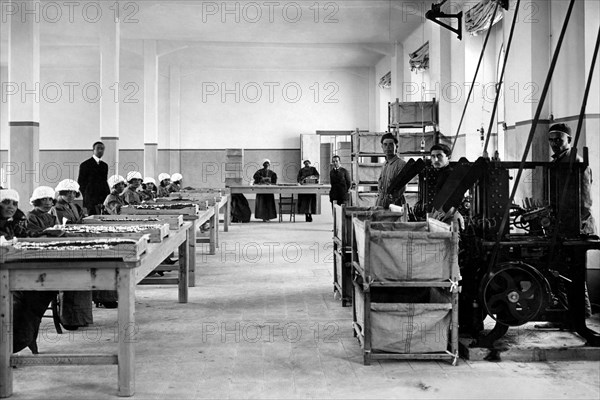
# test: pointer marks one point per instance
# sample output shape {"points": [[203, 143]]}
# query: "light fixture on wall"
{"points": [[436, 12]]}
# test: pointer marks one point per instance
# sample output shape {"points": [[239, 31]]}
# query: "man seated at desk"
{"points": [[265, 203]]}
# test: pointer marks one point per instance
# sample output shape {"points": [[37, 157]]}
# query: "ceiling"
{"points": [[234, 34]]}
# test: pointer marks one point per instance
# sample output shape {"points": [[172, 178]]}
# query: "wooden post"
{"points": [[192, 252], [227, 217], [213, 235], [184, 261], [367, 306], [216, 223], [6, 333], [127, 330]]}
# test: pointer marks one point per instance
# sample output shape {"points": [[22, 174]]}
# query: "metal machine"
{"points": [[535, 269]]}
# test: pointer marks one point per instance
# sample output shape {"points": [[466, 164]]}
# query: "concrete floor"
{"points": [[262, 323]]}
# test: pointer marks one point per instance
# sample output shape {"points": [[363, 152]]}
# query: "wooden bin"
{"points": [[129, 249], [392, 265], [174, 221], [160, 208], [156, 232], [405, 251], [366, 142], [343, 243]]}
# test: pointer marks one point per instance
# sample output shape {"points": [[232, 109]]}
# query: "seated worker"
{"points": [[164, 180], [130, 194], [176, 181], [307, 203], [28, 306], [40, 217], [114, 201], [392, 167], [66, 191], [265, 203], [148, 192], [76, 306]]}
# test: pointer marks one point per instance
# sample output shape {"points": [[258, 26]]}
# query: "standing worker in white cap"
{"points": [[265, 203]]}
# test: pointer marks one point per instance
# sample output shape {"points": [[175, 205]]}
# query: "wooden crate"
{"points": [[127, 249], [367, 172], [200, 198], [174, 221], [161, 208], [367, 142], [157, 231]]}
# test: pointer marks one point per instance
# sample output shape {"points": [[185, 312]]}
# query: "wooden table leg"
{"points": [[184, 261], [227, 217], [192, 254], [216, 225], [6, 336], [127, 331], [213, 235]]}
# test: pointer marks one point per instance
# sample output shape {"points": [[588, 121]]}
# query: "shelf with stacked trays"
{"points": [[367, 163]]}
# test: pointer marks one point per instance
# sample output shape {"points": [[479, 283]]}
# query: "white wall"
{"points": [[237, 108], [385, 95]]}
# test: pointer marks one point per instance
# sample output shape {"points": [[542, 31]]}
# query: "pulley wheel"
{"points": [[514, 293]]}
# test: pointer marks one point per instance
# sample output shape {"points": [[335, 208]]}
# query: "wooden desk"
{"points": [[192, 214], [87, 274], [283, 190]]}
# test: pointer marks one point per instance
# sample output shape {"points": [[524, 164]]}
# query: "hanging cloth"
{"points": [[477, 19], [386, 81], [419, 59]]}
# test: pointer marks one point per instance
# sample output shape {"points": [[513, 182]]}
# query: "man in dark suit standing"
{"points": [[340, 182], [93, 175]]}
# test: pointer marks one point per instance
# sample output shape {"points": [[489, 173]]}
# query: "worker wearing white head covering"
{"points": [[130, 194], [164, 180], [265, 203], [30, 305], [40, 218], [9, 194], [66, 192], [114, 201], [12, 220], [75, 306], [148, 191], [175, 185]]}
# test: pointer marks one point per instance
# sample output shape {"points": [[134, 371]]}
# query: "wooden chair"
{"points": [[287, 204]]}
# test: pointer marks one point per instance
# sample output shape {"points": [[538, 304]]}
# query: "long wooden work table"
{"points": [[87, 270], [285, 189]]}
